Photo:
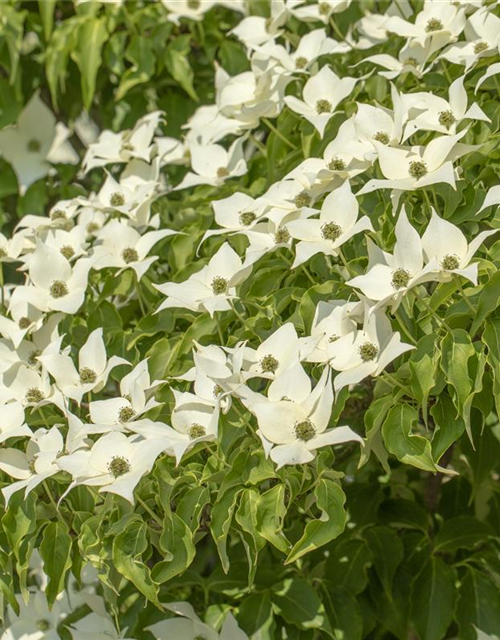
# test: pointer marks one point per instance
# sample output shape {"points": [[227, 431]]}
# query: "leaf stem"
{"points": [[278, 133], [150, 511]]}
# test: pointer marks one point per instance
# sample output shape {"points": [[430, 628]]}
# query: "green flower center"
{"points": [[127, 146], [196, 431], [125, 414], [92, 227], [382, 137], [323, 106], [87, 376], [218, 390], [219, 285], [400, 278], [301, 62], [446, 118], [282, 236], [24, 323], [417, 169], [129, 254], [331, 231], [193, 4], [411, 62], [479, 47], [34, 146], [450, 262], [368, 351], [324, 8], [58, 289], [3, 253], [269, 364], [32, 358], [302, 199], [118, 466], [34, 395], [43, 625], [333, 338], [247, 217], [222, 172], [304, 430], [337, 164], [67, 251], [433, 25], [57, 214], [117, 199], [31, 465]]}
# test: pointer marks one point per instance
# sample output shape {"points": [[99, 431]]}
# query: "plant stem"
{"points": [[278, 133], [52, 501], [404, 328], [139, 295], [150, 511], [462, 293], [219, 329], [238, 314], [440, 320], [344, 262], [309, 276]]}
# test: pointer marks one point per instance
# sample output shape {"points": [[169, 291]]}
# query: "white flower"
{"points": [[36, 620], [321, 95], [190, 627], [278, 353], [237, 213], [123, 146], [482, 33], [390, 277], [115, 464], [294, 427], [366, 352], [445, 244], [122, 247], [34, 142], [10, 250], [256, 30], [207, 126], [30, 388], [337, 223], [43, 452], [428, 112], [409, 168], [213, 165], [56, 285], [211, 288], [96, 627], [321, 10], [190, 9], [92, 372], [412, 58], [331, 321], [377, 124], [12, 422]]}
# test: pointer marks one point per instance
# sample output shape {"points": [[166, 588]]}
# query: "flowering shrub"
{"points": [[250, 352]]}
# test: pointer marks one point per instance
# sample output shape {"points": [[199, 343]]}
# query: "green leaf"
{"points": [[177, 543], [177, 63], [141, 54], [344, 614], [433, 600], [463, 532], [61, 43], [46, 9], [296, 601], [264, 515], [55, 550], [330, 500], [19, 521], [387, 551], [220, 522], [478, 604], [489, 301], [128, 548], [255, 617], [90, 38], [423, 367], [457, 350], [399, 440], [348, 564]]}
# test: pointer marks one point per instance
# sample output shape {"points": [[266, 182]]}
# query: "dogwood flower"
{"points": [[31, 388], [428, 112], [292, 429], [121, 246], [115, 464], [43, 451], [34, 142], [121, 147], [412, 58], [92, 372], [482, 32], [11, 249], [406, 169], [96, 627], [365, 352], [322, 10], [337, 223], [254, 31], [321, 95], [213, 165], [36, 620], [331, 321], [13, 424], [445, 244], [208, 126], [56, 285], [189, 626], [210, 289], [390, 277], [237, 213]]}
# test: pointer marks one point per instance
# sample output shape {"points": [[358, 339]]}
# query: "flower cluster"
{"points": [[84, 410]]}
